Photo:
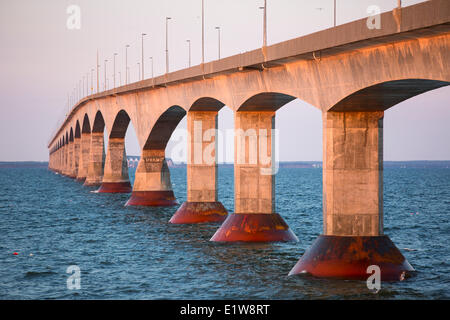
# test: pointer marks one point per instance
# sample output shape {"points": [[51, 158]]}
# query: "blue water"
{"points": [[134, 253]]}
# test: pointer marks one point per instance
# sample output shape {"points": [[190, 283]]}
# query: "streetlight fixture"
{"points": [[126, 63], [114, 75], [153, 79], [189, 45], [139, 70], [335, 13], [218, 35], [105, 76], [98, 79], [203, 31], [264, 23], [142, 55], [167, 44], [92, 81]]}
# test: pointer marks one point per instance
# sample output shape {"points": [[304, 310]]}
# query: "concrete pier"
{"points": [[353, 202], [152, 186], [96, 160], [85, 145], [254, 218], [115, 178], [202, 205], [67, 157], [75, 157]]}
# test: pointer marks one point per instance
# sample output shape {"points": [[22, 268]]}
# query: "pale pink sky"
{"points": [[41, 61]]}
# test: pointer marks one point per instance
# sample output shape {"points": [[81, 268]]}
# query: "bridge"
{"points": [[350, 72]]}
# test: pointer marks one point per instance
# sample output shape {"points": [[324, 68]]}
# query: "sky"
{"points": [[41, 61]]}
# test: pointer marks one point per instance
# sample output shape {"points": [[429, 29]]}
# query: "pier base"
{"points": [[115, 187], [254, 227], [152, 199], [347, 257], [199, 212]]}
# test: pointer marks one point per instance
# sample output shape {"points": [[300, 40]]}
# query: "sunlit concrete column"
{"points": [[115, 178], [254, 218], [60, 159], [83, 163], [50, 161], [202, 204], [67, 157], [152, 186], [75, 157], [70, 165], [353, 174], [353, 202], [96, 160]]}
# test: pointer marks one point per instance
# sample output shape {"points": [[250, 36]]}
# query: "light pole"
{"points": [[120, 78], [142, 55], [153, 79], [98, 79], [335, 13], [126, 63], [87, 84], [218, 35], [83, 86], [114, 75], [167, 44], [264, 23], [92, 81], [105, 75], [203, 31], [139, 70], [189, 47]]}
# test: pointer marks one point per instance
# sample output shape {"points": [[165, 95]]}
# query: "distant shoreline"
{"points": [[282, 164]]}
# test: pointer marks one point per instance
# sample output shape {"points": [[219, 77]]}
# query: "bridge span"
{"points": [[350, 72]]}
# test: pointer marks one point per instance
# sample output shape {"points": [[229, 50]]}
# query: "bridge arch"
{"points": [[152, 185], [203, 138], [97, 152], [116, 178], [120, 125], [86, 124], [265, 101], [99, 123], [255, 165], [206, 104], [77, 132], [384, 95], [163, 128], [84, 147]]}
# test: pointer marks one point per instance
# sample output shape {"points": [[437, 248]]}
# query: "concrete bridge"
{"points": [[350, 72]]}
